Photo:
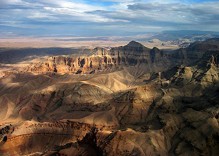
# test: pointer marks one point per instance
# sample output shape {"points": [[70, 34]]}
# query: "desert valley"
{"points": [[126, 100], [109, 78]]}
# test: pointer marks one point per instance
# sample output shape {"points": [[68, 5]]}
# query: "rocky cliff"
{"points": [[169, 112], [133, 54]]}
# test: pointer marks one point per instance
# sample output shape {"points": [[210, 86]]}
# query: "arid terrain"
{"points": [[116, 99], [79, 42]]}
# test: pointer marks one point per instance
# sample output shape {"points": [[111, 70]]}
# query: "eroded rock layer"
{"points": [[100, 59], [171, 112]]}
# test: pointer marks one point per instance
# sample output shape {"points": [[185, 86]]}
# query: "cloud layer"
{"points": [[105, 17]]}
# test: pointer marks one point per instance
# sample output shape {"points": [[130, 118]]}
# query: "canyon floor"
{"points": [[124, 100]]}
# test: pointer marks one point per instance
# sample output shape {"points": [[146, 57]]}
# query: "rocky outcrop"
{"points": [[171, 112], [133, 54], [38, 137], [195, 52]]}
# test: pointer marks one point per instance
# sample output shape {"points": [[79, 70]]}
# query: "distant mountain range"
{"points": [[193, 35]]}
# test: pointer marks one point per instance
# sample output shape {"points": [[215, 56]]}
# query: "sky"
{"points": [[105, 17]]}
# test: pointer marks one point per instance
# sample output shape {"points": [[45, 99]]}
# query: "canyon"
{"points": [[126, 100]]}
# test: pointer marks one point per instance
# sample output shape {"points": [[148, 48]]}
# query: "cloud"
{"points": [[108, 16], [180, 13]]}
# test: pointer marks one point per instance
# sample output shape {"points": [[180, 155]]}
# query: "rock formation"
{"points": [[101, 59], [171, 109]]}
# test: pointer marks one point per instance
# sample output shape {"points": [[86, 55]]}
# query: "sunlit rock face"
{"points": [[126, 110], [133, 54]]}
